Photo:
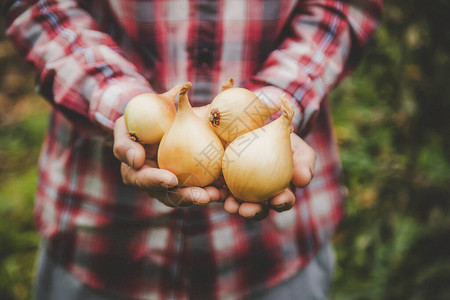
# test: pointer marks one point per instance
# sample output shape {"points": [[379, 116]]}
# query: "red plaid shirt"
{"points": [[91, 57]]}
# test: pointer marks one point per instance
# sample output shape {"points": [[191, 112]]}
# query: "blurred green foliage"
{"points": [[23, 119], [392, 121]]}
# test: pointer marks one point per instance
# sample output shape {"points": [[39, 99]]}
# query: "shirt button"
{"points": [[204, 65], [205, 50]]}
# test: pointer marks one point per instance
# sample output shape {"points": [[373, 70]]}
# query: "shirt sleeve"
{"points": [[324, 42], [80, 69]]}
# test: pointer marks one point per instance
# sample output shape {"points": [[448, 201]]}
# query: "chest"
{"points": [[206, 19]]}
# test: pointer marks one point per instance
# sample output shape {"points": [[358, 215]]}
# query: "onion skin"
{"points": [[258, 165], [235, 111], [148, 116], [190, 149]]}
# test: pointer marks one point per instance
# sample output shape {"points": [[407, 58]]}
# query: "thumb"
{"points": [[304, 161], [125, 150]]}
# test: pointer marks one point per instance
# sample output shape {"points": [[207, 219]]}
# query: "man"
{"points": [[103, 239]]}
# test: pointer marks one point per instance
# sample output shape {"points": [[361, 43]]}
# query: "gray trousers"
{"points": [[313, 282]]}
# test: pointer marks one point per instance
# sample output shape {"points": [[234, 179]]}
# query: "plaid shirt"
{"points": [[91, 57]]}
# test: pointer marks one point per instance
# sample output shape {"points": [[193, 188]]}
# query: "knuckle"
{"points": [[125, 179], [115, 151], [118, 149], [125, 175]]}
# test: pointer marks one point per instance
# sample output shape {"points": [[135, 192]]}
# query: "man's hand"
{"points": [[139, 168], [304, 159]]}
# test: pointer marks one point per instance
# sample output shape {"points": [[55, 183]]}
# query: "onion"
{"points": [[258, 164], [148, 116], [235, 111], [190, 149]]}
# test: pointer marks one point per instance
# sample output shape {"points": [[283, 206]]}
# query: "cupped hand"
{"points": [[304, 159], [139, 168]]}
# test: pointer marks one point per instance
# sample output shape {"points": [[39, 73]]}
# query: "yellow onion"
{"points": [[258, 165], [235, 111], [148, 116], [190, 149]]}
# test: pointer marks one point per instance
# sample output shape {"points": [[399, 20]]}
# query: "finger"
{"points": [[125, 150], [304, 158], [188, 196], [151, 163], [231, 206], [148, 178], [169, 198], [213, 193], [283, 201], [253, 211]]}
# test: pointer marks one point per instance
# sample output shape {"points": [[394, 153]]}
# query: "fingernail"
{"points": [[130, 157], [282, 205], [164, 185], [258, 215], [279, 207], [255, 217], [173, 181], [196, 195]]}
